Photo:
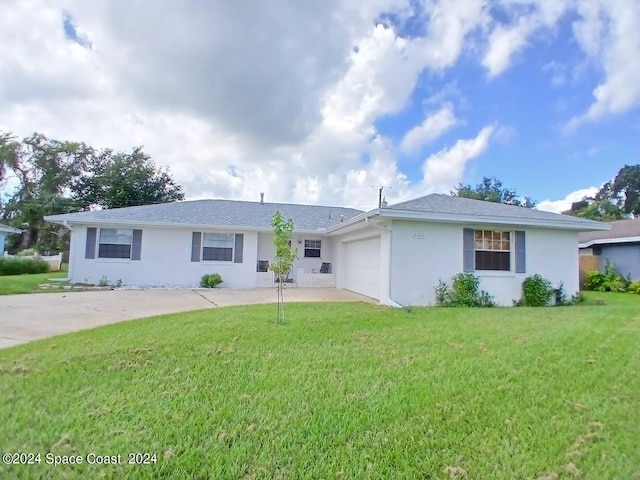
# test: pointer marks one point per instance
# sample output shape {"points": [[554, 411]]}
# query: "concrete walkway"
{"points": [[24, 318]]}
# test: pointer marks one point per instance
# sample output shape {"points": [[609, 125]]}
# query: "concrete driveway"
{"points": [[24, 318]]}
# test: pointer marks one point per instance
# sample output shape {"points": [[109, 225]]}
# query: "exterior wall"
{"points": [[625, 257], [310, 264], [165, 261], [423, 253], [2, 237]]}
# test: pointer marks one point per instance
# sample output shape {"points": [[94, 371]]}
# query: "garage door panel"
{"points": [[362, 267]]}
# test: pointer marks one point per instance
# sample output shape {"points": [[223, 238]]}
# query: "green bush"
{"points": [[20, 266], [634, 287], [609, 281], [210, 280], [27, 253], [536, 292], [465, 292], [593, 280]]}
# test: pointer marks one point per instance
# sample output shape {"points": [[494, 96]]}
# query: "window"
{"points": [[492, 250], [115, 243], [312, 248], [217, 247]]}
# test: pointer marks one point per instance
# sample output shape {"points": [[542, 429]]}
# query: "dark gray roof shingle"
{"points": [[447, 204], [619, 229], [216, 212]]}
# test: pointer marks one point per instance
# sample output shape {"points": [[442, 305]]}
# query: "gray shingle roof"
{"points": [[447, 204], [215, 212], [619, 229]]}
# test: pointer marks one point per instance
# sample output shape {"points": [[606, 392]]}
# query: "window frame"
{"points": [[313, 248], [490, 247], [232, 240], [99, 243]]}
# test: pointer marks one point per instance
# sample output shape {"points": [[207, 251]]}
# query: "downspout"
{"points": [[387, 300]]}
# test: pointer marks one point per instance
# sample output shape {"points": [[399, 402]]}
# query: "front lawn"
{"points": [[12, 284], [341, 391]]}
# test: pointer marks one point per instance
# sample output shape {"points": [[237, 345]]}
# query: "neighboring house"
{"points": [[395, 254], [620, 245], [4, 231]]}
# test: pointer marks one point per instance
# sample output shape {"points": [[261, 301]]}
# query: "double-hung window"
{"points": [[217, 247], [312, 248], [493, 250], [115, 243]]}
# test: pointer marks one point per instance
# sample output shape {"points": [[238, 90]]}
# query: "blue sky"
{"points": [[325, 103]]}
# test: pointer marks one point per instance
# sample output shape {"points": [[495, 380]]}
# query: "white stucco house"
{"points": [[4, 231], [395, 254]]}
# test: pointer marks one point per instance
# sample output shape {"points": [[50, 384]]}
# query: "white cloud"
{"points": [[558, 73], [608, 32], [432, 127], [241, 98], [526, 19], [443, 170], [559, 206]]}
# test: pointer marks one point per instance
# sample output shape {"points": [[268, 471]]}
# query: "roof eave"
{"points": [[7, 229], [580, 225], [139, 223], [353, 221], [604, 241]]}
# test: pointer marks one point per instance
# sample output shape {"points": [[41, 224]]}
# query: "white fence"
{"points": [[54, 261]]}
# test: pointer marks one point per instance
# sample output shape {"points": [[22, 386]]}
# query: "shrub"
{"points": [[537, 292], [210, 280], [19, 266], [27, 253], [465, 292], [593, 280], [577, 299], [634, 287], [609, 281], [442, 294]]}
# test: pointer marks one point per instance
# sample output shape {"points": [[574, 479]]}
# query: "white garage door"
{"points": [[362, 267]]}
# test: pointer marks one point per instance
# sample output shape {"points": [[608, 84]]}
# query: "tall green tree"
{"points": [[60, 177], [44, 169], [124, 180], [595, 209], [285, 256], [625, 189], [616, 199], [491, 190]]}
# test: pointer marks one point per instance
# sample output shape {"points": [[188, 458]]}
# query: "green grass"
{"points": [[13, 284], [340, 391]]}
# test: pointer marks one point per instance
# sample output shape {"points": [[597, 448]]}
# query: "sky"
{"points": [[325, 102]]}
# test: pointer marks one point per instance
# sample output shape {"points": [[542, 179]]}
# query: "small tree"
{"points": [[285, 256]]}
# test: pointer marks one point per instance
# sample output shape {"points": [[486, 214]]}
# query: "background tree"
{"points": [[616, 199], [625, 189], [124, 180], [60, 177], [285, 256], [491, 190], [43, 169], [593, 209]]}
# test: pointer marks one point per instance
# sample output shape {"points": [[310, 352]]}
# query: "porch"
{"points": [[312, 268], [301, 279]]}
